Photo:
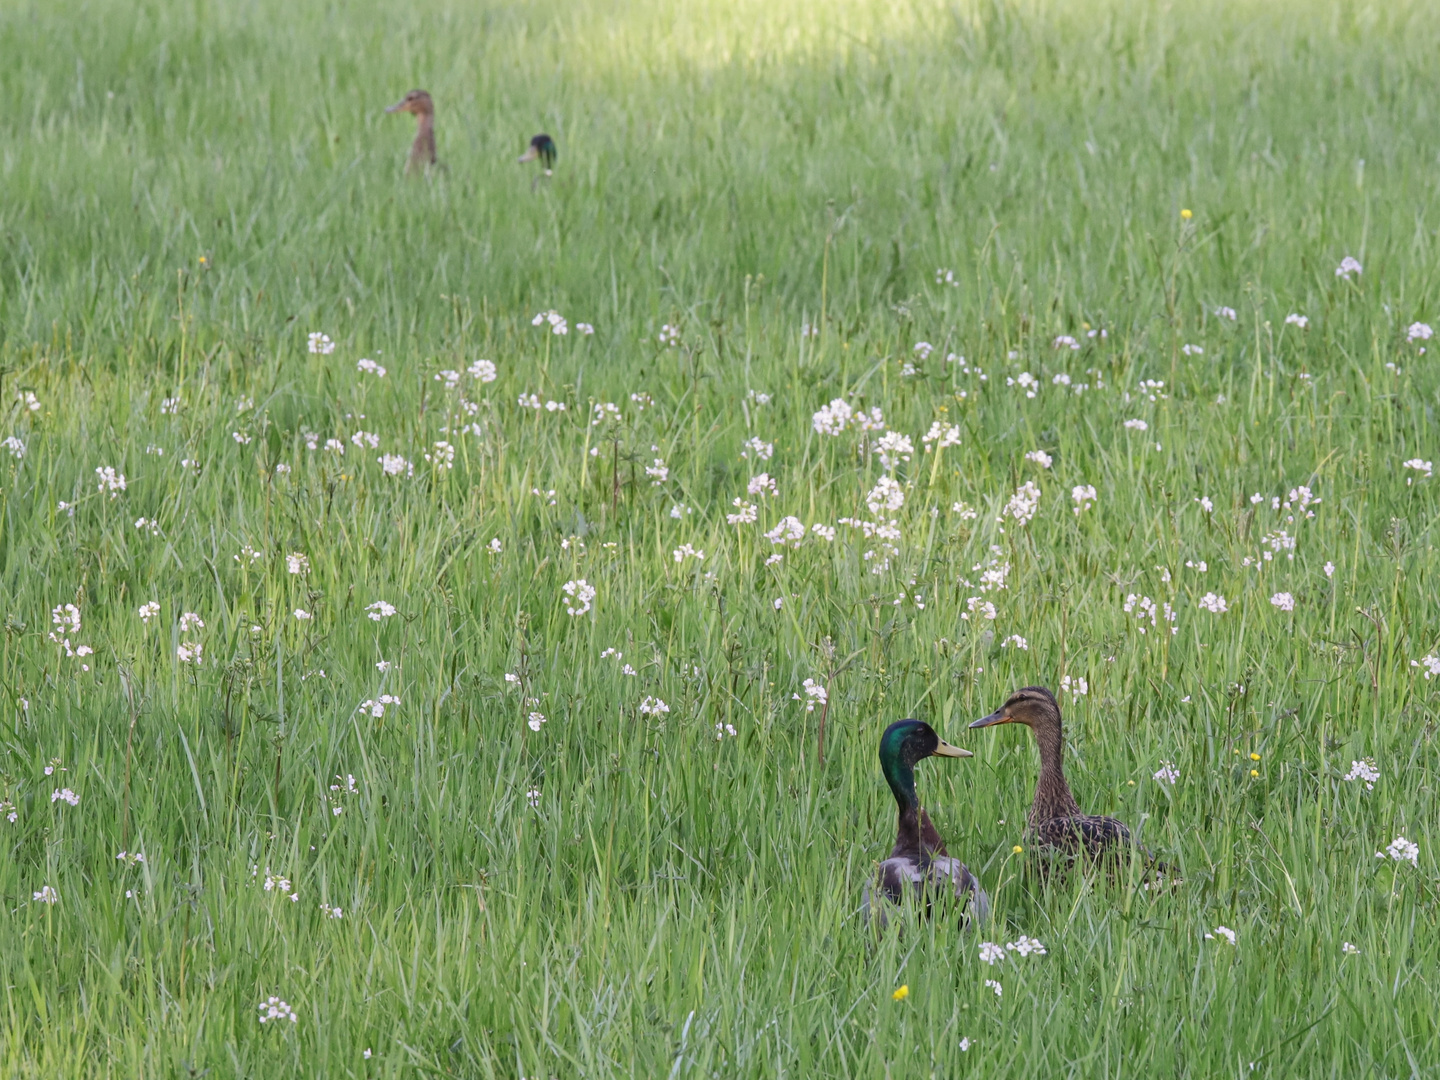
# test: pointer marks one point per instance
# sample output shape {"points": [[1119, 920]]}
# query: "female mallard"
{"points": [[422, 150], [918, 864], [1055, 825], [542, 148]]}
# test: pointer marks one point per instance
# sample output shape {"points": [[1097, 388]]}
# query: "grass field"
{"points": [[322, 669]]}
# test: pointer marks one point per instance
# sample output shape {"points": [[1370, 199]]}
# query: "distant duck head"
{"points": [[417, 102], [542, 149]]}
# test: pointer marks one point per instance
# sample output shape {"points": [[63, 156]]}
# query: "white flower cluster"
{"points": [[1142, 607], [1402, 850], [1167, 773], [893, 448], [815, 694], [557, 322], [579, 595], [1222, 933], [790, 531], [1023, 504], [273, 1008], [940, 436], [110, 480], [1365, 769], [376, 706], [887, 494]]}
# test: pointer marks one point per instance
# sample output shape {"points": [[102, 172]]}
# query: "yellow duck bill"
{"points": [[946, 750]]}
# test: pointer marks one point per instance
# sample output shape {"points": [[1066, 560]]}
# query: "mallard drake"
{"points": [[1055, 824], [422, 150], [541, 148], [918, 864]]}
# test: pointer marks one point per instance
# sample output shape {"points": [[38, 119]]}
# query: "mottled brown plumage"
{"points": [[422, 150], [919, 867], [1055, 826]]}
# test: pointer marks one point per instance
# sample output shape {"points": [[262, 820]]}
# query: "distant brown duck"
{"points": [[1055, 825], [422, 150], [919, 866]]}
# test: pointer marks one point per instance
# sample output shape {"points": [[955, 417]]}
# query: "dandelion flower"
{"points": [[901, 993]]}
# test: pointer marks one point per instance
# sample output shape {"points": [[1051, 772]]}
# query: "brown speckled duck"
{"points": [[422, 150], [919, 866], [1055, 825]]}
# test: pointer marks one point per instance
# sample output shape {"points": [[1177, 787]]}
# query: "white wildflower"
{"points": [[580, 593], [395, 465], [1023, 504], [110, 481], [1365, 770], [790, 531], [273, 1008], [1402, 850], [762, 485], [745, 514], [887, 494]]}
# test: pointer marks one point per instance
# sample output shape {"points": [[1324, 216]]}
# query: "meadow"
{"points": [[449, 619]]}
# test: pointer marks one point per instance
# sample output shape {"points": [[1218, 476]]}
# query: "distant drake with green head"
{"points": [[919, 866], [542, 149]]}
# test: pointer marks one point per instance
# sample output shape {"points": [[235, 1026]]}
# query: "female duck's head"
{"points": [[1033, 706], [904, 744], [417, 102]]}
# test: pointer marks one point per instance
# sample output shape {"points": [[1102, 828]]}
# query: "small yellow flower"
{"points": [[1254, 757], [901, 994], [1186, 215], [1254, 772], [1017, 849]]}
